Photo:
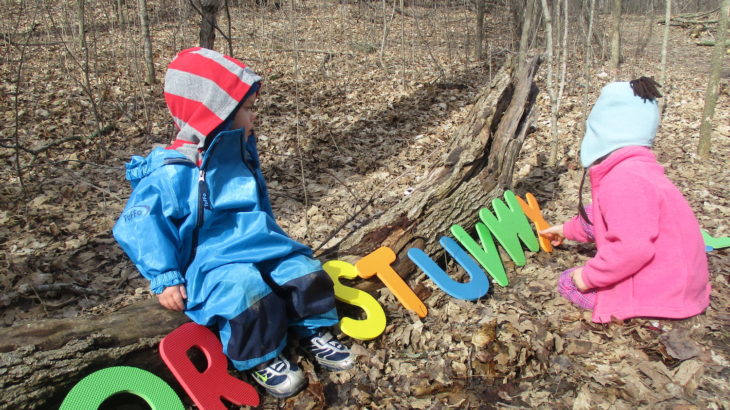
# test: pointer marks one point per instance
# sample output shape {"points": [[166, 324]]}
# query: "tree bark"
{"points": [[209, 10], [527, 18], [713, 85], [479, 42], [41, 361], [615, 58], [478, 168], [147, 41]]}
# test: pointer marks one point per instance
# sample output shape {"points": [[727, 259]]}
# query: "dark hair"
{"points": [[581, 208], [645, 88]]}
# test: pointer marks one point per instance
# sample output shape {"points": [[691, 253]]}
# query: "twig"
{"points": [[98, 188], [302, 50], [40, 299], [26, 290]]}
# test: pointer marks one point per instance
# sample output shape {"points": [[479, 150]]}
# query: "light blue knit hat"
{"points": [[618, 119]]}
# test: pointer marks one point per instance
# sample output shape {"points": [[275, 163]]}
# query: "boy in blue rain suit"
{"points": [[199, 226]]}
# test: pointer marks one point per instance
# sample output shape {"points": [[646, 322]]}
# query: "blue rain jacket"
{"points": [[183, 220]]}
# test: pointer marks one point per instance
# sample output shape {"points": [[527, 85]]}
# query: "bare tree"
{"points": [[615, 58], [714, 84], [480, 29], [527, 18], [80, 9], [550, 83], [587, 64], [386, 31], [665, 41], [147, 41], [209, 10], [121, 16]]}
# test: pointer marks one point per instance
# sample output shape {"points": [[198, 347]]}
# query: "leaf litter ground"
{"points": [[360, 134]]}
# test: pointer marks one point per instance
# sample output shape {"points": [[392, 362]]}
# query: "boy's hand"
{"points": [[173, 297], [554, 234]]}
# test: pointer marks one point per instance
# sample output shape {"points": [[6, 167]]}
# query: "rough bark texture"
{"points": [[477, 169], [209, 10], [41, 361]]}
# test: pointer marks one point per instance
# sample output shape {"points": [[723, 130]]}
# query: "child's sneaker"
{"points": [[280, 378], [328, 351]]}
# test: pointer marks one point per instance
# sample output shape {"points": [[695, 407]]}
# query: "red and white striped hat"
{"points": [[202, 88]]}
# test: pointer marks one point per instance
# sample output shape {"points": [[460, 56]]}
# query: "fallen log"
{"points": [[41, 361], [477, 169]]}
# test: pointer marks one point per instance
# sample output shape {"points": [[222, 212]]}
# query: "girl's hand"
{"points": [[173, 297], [554, 234], [577, 276]]}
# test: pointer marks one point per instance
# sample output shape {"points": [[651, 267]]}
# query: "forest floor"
{"points": [[353, 129]]}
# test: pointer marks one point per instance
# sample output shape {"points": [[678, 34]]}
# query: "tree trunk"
{"points": [[587, 67], [713, 84], [209, 10], [525, 32], [478, 168], [551, 83], [82, 23], [147, 41], [121, 16], [615, 58], [41, 361], [665, 41], [479, 41]]}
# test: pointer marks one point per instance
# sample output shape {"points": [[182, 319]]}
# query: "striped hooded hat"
{"points": [[202, 89]]}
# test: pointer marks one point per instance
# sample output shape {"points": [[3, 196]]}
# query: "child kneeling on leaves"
{"points": [[650, 256], [200, 227]]}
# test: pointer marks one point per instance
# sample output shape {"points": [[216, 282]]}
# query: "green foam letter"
{"points": [[93, 389], [486, 254], [510, 226]]}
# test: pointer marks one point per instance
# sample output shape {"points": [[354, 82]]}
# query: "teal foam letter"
{"points": [[472, 290]]}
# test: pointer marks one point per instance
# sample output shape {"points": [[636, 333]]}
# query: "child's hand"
{"points": [[577, 276], [173, 297], [554, 234]]}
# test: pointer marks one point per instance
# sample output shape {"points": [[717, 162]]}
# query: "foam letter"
{"points": [[93, 389], [532, 209], [472, 290], [378, 263], [487, 254], [712, 243], [366, 329], [206, 388], [509, 225]]}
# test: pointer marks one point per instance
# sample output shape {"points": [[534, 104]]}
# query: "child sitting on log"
{"points": [[650, 257], [200, 227]]}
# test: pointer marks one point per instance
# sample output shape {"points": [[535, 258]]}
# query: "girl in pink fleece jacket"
{"points": [[650, 256]]}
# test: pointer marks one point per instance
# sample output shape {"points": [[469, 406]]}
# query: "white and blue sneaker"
{"points": [[328, 351], [280, 378]]}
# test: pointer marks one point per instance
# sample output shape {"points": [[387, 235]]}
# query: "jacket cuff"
{"points": [[163, 280], [572, 230], [586, 279]]}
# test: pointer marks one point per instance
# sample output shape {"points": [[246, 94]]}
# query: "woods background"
{"points": [[360, 108]]}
